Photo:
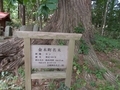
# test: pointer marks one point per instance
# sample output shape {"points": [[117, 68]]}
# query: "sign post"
{"points": [[48, 56]]}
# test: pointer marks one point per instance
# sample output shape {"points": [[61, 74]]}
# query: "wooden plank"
{"points": [[49, 75], [47, 35], [27, 64], [70, 62]]}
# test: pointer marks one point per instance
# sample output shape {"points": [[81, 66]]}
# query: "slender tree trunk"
{"points": [[39, 18], [1, 6], [18, 10], [23, 14], [105, 17]]}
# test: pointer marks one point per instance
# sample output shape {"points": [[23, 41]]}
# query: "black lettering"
{"points": [[49, 49], [59, 50], [45, 49], [54, 50], [40, 49]]}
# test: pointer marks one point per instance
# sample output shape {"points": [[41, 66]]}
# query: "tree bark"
{"points": [[69, 14], [23, 15], [105, 17], [1, 6]]}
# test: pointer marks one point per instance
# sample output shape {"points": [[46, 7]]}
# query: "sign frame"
{"points": [[28, 35]]}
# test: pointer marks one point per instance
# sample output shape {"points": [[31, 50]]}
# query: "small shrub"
{"points": [[79, 29], [63, 87], [78, 84], [99, 73], [106, 86], [83, 49], [92, 83], [52, 85], [8, 82]]}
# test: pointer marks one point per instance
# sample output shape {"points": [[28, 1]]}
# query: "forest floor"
{"points": [[111, 60]]}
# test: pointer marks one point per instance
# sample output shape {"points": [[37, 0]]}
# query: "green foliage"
{"points": [[98, 12], [105, 44], [106, 86], [8, 82], [79, 29], [11, 7], [83, 49], [52, 85], [99, 73], [46, 7], [78, 84], [21, 72], [112, 24], [92, 83], [76, 66], [63, 87], [61, 42]]}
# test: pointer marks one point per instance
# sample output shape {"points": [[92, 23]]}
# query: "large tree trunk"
{"points": [[68, 16]]}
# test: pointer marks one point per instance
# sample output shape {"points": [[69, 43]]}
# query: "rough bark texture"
{"points": [[69, 14]]}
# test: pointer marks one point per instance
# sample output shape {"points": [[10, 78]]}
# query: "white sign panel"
{"points": [[49, 56]]}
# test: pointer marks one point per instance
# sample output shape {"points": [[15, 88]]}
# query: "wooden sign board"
{"points": [[49, 56]]}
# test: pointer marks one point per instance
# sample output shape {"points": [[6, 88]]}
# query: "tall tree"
{"points": [[105, 16], [68, 16], [1, 5], [23, 14], [22, 10]]}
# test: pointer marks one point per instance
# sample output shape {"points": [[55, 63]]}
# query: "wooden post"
{"points": [[27, 63], [71, 46]]}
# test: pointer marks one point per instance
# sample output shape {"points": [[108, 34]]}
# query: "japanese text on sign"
{"points": [[49, 56]]}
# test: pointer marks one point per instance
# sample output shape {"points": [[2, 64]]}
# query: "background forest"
{"points": [[106, 42], [105, 14]]}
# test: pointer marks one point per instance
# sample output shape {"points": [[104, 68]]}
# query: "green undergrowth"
{"points": [[105, 44], [98, 73], [83, 48], [9, 81]]}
